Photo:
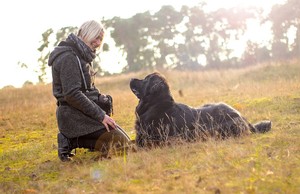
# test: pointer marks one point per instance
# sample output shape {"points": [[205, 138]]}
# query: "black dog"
{"points": [[160, 118]]}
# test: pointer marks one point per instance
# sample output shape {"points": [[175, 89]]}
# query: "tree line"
{"points": [[194, 38]]}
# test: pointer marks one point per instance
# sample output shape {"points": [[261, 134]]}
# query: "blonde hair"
{"points": [[90, 30]]}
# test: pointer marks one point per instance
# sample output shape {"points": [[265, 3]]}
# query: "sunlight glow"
{"points": [[20, 39], [265, 5]]}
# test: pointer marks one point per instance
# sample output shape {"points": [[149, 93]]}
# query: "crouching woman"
{"points": [[82, 120]]}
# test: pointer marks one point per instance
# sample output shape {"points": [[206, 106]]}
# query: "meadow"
{"points": [[259, 163]]}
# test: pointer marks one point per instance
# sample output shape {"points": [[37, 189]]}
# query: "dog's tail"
{"points": [[261, 127]]}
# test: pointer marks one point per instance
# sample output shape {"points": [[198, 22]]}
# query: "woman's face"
{"points": [[96, 43]]}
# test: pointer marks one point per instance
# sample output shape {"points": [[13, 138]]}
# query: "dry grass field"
{"points": [[259, 163]]}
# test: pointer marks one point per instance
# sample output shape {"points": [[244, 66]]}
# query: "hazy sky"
{"points": [[23, 22]]}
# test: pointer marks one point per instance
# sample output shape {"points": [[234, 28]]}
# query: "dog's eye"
{"points": [[145, 80]]}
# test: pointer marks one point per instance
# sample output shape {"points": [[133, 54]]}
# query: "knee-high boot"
{"points": [[64, 148]]}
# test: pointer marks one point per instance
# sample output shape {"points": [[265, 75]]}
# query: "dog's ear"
{"points": [[158, 84], [156, 87]]}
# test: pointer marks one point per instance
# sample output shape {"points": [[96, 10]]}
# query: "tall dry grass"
{"points": [[260, 163]]}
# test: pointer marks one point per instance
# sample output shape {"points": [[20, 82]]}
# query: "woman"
{"points": [[81, 121]]}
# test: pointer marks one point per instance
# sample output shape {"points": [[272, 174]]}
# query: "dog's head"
{"points": [[152, 84]]}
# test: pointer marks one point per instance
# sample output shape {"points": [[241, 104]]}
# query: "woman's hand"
{"points": [[109, 122]]}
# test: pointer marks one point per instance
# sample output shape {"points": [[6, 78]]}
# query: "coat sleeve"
{"points": [[71, 81]]}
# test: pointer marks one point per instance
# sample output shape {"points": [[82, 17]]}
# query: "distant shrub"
{"points": [[27, 83], [8, 87]]}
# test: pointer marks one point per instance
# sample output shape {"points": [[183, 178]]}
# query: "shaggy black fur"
{"points": [[159, 118]]}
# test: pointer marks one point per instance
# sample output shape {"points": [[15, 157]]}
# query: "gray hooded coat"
{"points": [[77, 115]]}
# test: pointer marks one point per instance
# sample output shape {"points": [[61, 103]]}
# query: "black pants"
{"points": [[86, 141], [103, 141]]}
